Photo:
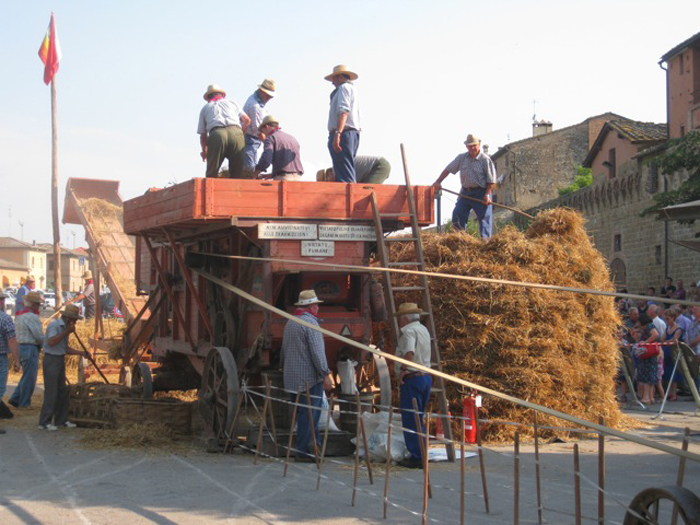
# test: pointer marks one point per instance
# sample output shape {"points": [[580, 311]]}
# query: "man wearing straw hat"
{"points": [[54, 411], [8, 343], [30, 336], [414, 345], [368, 170], [343, 124], [221, 127], [305, 367], [478, 177], [281, 151], [27, 287], [87, 295], [254, 107]]}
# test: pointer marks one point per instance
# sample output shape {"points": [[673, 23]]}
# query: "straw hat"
{"points": [[29, 279], [268, 86], [408, 308], [269, 120], [71, 311], [326, 175], [213, 88], [341, 69], [472, 139], [87, 274], [33, 297], [307, 298]]}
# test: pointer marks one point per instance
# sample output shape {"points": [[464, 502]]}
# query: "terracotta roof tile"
{"points": [[636, 131]]}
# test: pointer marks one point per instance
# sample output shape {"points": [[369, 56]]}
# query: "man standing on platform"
{"points": [[30, 336], [87, 295], [343, 124], [305, 367], [478, 177], [27, 287], [254, 107], [8, 343], [414, 345]]}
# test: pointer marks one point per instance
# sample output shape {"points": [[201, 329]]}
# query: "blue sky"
{"points": [[133, 73]]}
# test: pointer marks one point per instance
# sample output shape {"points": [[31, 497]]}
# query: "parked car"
{"points": [[109, 306], [9, 302], [49, 300]]}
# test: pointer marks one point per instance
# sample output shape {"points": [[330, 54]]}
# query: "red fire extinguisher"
{"points": [[469, 415]]}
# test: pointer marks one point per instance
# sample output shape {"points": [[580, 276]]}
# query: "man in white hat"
{"points": [[343, 124], [478, 176], [54, 411], [414, 345], [281, 151], [304, 366], [221, 127], [8, 343], [30, 337], [87, 295], [27, 287], [254, 107]]}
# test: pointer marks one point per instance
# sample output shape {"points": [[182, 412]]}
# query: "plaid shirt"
{"points": [[473, 173], [303, 354], [29, 329], [7, 332]]}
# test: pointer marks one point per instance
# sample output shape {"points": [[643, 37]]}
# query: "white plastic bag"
{"points": [[346, 371], [377, 429], [332, 427]]}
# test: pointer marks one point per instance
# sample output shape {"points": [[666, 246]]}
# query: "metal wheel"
{"points": [[383, 381], [141, 376], [218, 396], [655, 506]]}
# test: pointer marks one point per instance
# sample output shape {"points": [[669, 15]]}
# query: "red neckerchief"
{"points": [[216, 97], [299, 311]]}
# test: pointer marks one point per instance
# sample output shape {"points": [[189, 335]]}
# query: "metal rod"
{"points": [[681, 474], [462, 470], [535, 428], [364, 442], [601, 473], [325, 442], [90, 358], [263, 417], [423, 447], [311, 425], [516, 479], [426, 470], [577, 487], [291, 432], [357, 452], [388, 462], [515, 210], [480, 450]]}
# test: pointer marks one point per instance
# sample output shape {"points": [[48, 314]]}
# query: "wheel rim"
{"points": [[653, 503], [220, 389], [141, 376]]}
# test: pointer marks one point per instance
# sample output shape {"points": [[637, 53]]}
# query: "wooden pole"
{"points": [[537, 466], [423, 446], [514, 210], [357, 452], [516, 479], [388, 462], [481, 459], [291, 433], [90, 358], [601, 473], [311, 425], [58, 285], [577, 487], [263, 417], [271, 414], [426, 472], [681, 473], [462, 470], [364, 442], [325, 442]]}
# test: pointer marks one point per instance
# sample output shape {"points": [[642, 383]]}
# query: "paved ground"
{"points": [[56, 478]]}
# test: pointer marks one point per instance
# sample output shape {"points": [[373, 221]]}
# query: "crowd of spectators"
{"points": [[652, 321]]}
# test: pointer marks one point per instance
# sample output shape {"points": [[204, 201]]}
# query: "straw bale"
{"points": [[151, 436], [551, 348]]}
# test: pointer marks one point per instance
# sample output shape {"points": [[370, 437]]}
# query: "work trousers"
{"points": [[484, 214], [253, 151], [55, 407], [418, 388], [304, 443], [225, 143], [4, 371], [344, 160], [29, 359]]}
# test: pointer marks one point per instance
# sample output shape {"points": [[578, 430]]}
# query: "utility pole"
{"points": [[21, 226]]}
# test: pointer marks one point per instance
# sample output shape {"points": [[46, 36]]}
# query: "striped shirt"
{"points": [[254, 107], [217, 114], [55, 327], [473, 172], [303, 354], [7, 332], [29, 329], [344, 100]]}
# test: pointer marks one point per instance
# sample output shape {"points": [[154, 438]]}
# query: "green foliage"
{"points": [[682, 154], [584, 177]]}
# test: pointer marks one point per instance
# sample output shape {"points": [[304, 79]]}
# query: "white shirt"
{"points": [[414, 338], [660, 326], [220, 113], [344, 100]]}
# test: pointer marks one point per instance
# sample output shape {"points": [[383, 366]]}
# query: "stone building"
{"points": [[532, 170], [31, 256]]}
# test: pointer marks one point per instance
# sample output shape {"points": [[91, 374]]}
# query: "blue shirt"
{"points": [[19, 298], [344, 100], [282, 151], [55, 327], [7, 332], [254, 107]]}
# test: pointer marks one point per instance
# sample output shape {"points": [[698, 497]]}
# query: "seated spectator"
{"points": [[682, 321], [667, 289], [680, 291], [672, 334], [693, 293], [651, 292], [642, 305]]}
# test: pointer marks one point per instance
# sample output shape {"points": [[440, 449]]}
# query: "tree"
{"points": [[682, 154], [584, 177]]}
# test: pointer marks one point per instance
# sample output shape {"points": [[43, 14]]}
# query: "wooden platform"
{"points": [[239, 202]]}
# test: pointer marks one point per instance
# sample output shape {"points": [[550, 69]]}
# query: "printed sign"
{"points": [[317, 249], [346, 232], [287, 231]]}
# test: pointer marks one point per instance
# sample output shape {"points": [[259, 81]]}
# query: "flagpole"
{"points": [[54, 197]]}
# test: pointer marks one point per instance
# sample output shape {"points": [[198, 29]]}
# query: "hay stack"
{"points": [[551, 348]]}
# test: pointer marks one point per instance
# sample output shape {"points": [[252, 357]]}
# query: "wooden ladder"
{"points": [[423, 288]]}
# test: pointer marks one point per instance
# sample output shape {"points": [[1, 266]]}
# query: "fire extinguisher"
{"points": [[469, 415]]}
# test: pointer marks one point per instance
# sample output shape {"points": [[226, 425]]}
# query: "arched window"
{"points": [[618, 272]]}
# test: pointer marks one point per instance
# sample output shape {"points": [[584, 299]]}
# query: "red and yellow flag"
{"points": [[50, 52]]}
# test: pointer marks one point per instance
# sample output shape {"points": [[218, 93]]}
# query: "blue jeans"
{"points": [[304, 443], [252, 153], [29, 358], [344, 160], [4, 370], [417, 388], [484, 214]]}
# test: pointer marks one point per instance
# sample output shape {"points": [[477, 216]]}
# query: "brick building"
{"points": [[31, 256], [683, 86]]}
